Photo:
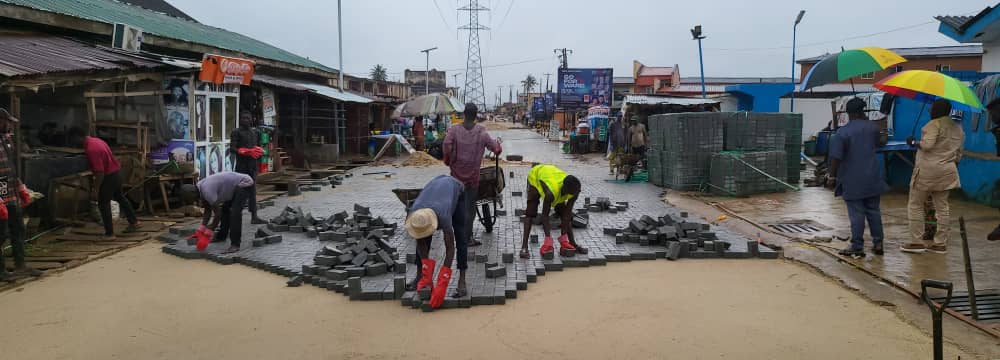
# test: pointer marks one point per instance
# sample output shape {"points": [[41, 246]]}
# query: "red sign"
{"points": [[226, 70]]}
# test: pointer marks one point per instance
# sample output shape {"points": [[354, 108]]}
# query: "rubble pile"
{"points": [[683, 239], [604, 204]]}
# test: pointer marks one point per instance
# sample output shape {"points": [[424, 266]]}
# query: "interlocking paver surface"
{"points": [[294, 256]]}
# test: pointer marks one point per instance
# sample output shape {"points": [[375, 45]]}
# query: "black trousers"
{"points": [[15, 232], [252, 198], [111, 189], [232, 217]]}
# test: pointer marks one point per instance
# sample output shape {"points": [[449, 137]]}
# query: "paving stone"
{"points": [[398, 286], [752, 246], [345, 258], [643, 256], [516, 193], [310, 269], [598, 261], [566, 252], [767, 252], [399, 267], [362, 209], [496, 271], [332, 251], [674, 250], [336, 275], [376, 269], [257, 242], [354, 288], [262, 233], [482, 258], [297, 229], [359, 260], [709, 245], [325, 260], [508, 257], [273, 239], [534, 239], [355, 271]]}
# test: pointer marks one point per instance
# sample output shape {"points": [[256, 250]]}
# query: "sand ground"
{"points": [[142, 304]]}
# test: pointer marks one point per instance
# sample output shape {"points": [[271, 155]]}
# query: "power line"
{"points": [[908, 27], [510, 6], [441, 15]]}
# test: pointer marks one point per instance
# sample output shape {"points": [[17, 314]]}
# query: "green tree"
{"points": [[529, 83], [378, 73]]}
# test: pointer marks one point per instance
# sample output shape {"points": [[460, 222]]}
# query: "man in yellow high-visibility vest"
{"points": [[551, 187]]}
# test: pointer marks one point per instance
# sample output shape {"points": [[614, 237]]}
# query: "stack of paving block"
{"points": [[338, 226], [602, 204], [363, 248], [732, 174], [752, 132], [792, 123], [685, 239], [681, 146]]}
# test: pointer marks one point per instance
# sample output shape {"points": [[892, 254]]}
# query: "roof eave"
{"points": [[101, 28], [972, 28]]}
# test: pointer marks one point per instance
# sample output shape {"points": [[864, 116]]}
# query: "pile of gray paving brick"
{"points": [[690, 151], [684, 239], [297, 186]]}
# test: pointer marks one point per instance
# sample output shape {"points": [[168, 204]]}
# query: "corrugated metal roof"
{"points": [[161, 6], [33, 54], [151, 22], [279, 82], [335, 94], [842, 88], [665, 100], [935, 51], [956, 22], [695, 88], [656, 71], [622, 80], [736, 80]]}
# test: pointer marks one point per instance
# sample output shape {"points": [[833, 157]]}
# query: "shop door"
{"points": [[215, 118]]}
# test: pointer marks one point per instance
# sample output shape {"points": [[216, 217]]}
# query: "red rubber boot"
{"points": [[546, 246], [426, 274]]}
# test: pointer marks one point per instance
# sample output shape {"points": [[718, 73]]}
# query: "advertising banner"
{"points": [[181, 151], [582, 88], [226, 70], [175, 107], [538, 106]]}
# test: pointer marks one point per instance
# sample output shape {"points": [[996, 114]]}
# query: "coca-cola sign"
{"points": [[226, 70]]}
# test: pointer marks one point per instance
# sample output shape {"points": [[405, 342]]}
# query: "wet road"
{"points": [[819, 205]]}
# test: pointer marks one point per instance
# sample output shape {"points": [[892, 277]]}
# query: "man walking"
{"points": [[222, 196], [616, 144], [637, 138], [14, 197], [245, 144], [464, 145], [440, 207], [107, 180], [856, 177], [551, 187], [935, 174]]}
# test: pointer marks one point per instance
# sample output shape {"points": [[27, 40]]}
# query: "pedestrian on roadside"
{"points": [[244, 143], [14, 197], [856, 177], [418, 133], [440, 207], [616, 143], [464, 145], [223, 196], [638, 137], [935, 174], [552, 188], [107, 180]]}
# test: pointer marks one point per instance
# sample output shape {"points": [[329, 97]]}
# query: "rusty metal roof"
{"points": [[34, 54]]}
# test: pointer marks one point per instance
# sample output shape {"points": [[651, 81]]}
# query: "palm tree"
{"points": [[529, 83], [378, 73]]}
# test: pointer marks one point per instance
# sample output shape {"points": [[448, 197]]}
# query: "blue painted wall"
{"points": [[759, 97]]}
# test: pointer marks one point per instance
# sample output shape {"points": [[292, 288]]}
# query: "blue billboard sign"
{"points": [[538, 105], [550, 102], [582, 88]]}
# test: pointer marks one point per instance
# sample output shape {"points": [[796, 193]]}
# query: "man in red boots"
{"points": [[551, 187], [440, 206]]}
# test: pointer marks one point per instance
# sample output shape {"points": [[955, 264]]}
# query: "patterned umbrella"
{"points": [[848, 64], [927, 86], [425, 105]]}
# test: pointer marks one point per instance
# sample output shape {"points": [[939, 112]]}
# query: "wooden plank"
{"points": [[98, 238], [56, 258], [40, 265], [96, 94]]}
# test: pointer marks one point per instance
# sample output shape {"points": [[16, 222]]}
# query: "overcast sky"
{"points": [[744, 38]]}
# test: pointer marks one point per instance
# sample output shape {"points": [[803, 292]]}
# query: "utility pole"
{"points": [[427, 70], [455, 76], [510, 94], [563, 58], [547, 89], [340, 49], [696, 34]]}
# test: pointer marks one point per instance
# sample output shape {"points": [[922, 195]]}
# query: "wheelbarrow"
{"points": [[626, 165]]}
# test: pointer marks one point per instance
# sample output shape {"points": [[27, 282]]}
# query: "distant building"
{"points": [[982, 28], [621, 87], [654, 79], [939, 58], [417, 81]]}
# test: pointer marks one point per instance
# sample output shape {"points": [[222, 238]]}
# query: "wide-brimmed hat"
{"points": [[421, 223]]}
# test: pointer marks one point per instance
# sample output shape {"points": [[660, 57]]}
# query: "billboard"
{"points": [[582, 88], [538, 105]]}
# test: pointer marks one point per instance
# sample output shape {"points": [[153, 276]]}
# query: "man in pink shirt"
{"points": [[107, 180], [464, 145]]}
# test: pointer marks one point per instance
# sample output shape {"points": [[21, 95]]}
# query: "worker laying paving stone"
{"points": [[223, 196], [551, 187], [440, 206]]}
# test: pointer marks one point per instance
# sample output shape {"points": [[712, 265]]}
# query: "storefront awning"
{"points": [[336, 94]]}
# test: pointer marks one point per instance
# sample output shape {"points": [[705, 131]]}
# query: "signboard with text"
{"points": [[226, 70], [582, 88]]}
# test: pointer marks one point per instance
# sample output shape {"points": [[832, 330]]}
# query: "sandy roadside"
{"points": [[142, 304]]}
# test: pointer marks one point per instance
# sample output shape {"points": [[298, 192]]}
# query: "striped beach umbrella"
{"points": [[927, 86]]}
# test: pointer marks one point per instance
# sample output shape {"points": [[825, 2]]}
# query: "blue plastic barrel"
{"points": [[823, 142]]}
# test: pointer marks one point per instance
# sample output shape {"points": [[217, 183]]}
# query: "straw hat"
{"points": [[421, 223]]}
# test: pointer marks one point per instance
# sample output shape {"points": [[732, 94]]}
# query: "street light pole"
{"points": [[795, 28], [696, 34], [340, 48], [427, 70]]}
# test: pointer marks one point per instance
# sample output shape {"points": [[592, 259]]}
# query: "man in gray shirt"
{"points": [[440, 206], [222, 194]]}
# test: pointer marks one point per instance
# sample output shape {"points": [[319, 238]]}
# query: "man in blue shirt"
{"points": [[440, 206], [856, 176]]}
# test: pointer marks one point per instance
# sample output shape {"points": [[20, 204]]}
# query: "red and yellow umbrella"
{"points": [[927, 86]]}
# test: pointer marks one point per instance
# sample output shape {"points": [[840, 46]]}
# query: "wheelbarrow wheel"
{"points": [[486, 218]]}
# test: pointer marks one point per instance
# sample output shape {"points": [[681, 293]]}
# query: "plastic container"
{"points": [[823, 142]]}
